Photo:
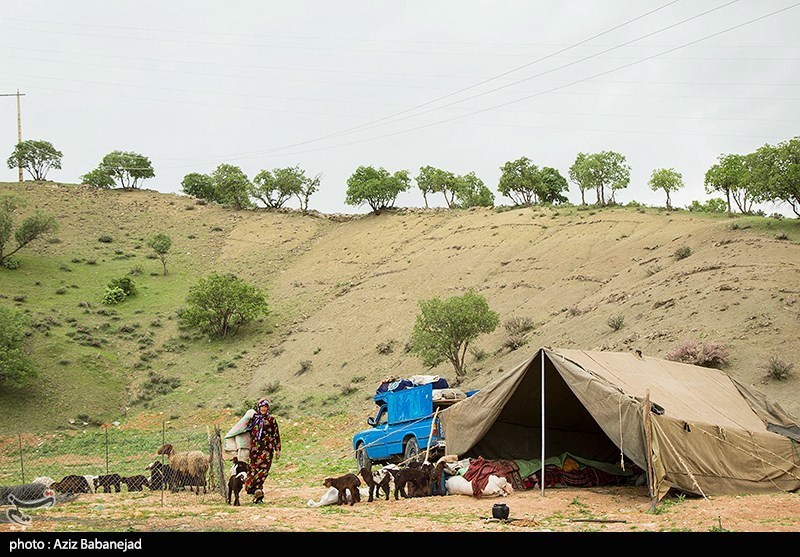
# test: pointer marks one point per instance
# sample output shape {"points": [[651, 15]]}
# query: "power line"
{"points": [[571, 63], [379, 122], [537, 94]]}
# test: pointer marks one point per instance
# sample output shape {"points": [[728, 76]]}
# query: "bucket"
{"points": [[500, 510]]}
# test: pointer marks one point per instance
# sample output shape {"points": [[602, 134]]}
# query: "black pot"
{"points": [[500, 510]]}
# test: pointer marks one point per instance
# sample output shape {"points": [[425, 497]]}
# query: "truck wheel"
{"points": [[411, 450], [362, 460]]}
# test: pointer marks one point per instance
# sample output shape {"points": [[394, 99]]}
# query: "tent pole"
{"points": [[541, 471], [648, 435]]}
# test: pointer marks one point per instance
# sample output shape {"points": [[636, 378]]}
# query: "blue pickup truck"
{"points": [[404, 428]]}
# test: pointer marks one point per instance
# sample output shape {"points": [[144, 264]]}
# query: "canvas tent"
{"points": [[705, 434]]}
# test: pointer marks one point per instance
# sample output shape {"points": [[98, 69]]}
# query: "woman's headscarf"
{"points": [[258, 419]]}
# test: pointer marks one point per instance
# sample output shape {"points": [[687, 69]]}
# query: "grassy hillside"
{"points": [[343, 294]]}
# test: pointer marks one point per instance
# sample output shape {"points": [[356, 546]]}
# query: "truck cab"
{"points": [[404, 426]]}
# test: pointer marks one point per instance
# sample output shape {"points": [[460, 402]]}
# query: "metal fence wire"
{"points": [[73, 464]]}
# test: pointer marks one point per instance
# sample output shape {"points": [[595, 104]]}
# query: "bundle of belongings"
{"points": [[490, 478], [237, 441], [394, 383]]}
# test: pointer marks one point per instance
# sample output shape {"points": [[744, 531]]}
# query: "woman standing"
{"points": [[265, 441]]}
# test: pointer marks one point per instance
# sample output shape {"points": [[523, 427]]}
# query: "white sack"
{"points": [[495, 487], [331, 497]]}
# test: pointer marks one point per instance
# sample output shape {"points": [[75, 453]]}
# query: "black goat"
{"points": [[162, 476], [107, 482], [236, 481], [135, 483]]}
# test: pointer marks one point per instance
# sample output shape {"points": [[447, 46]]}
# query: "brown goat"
{"points": [[417, 480], [342, 484]]}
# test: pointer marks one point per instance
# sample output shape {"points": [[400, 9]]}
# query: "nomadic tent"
{"points": [[705, 432]]}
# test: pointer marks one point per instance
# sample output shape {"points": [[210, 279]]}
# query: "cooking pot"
{"points": [[500, 510]]}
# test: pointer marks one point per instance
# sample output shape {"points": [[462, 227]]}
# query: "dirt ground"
{"points": [[286, 509]]}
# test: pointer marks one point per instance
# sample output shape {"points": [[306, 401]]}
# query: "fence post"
{"points": [[163, 440], [106, 428], [223, 486], [21, 460]]}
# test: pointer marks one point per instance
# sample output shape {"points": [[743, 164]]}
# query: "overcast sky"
{"points": [[460, 85]]}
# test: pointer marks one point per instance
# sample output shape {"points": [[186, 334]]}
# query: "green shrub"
{"points": [[106, 239], [126, 284], [616, 322], [114, 295], [11, 263]]}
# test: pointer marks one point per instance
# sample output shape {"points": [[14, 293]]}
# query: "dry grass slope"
{"points": [[343, 290]]}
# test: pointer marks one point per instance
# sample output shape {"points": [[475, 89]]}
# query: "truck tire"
{"points": [[362, 460], [411, 450]]}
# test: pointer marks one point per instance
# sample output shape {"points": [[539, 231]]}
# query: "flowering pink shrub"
{"points": [[694, 351]]}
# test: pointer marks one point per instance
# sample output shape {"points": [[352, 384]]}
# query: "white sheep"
{"points": [[191, 467], [44, 480]]}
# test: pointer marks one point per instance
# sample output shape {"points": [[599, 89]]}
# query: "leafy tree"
{"points": [[16, 369], [125, 168], [667, 179], [608, 169], [220, 304], [552, 184], [376, 187], [275, 188], [473, 193], [519, 181], [32, 228], [37, 157], [160, 243], [731, 176], [427, 181], [232, 186], [777, 169], [580, 175], [436, 180], [98, 178], [200, 186], [444, 329], [309, 187]]}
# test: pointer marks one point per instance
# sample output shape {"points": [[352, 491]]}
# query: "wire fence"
{"points": [[109, 460]]}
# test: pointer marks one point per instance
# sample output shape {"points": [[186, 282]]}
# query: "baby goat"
{"points": [[376, 481], [417, 480], [236, 481], [342, 484]]}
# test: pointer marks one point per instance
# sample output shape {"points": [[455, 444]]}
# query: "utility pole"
{"points": [[19, 122]]}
